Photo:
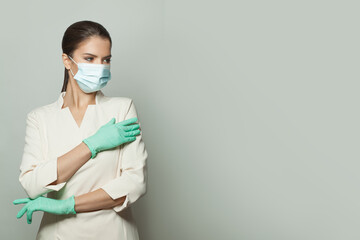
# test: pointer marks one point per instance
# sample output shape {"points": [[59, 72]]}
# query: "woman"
{"points": [[85, 150]]}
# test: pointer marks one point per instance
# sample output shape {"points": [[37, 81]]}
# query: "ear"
{"points": [[66, 61]]}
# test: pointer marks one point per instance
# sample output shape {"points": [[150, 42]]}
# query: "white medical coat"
{"points": [[51, 131]]}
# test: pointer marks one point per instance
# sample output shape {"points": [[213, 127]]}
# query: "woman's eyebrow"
{"points": [[95, 55]]}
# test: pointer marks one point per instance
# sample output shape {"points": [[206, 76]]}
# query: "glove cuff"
{"points": [[71, 201], [91, 147]]}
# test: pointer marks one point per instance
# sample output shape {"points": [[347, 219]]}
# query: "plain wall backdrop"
{"points": [[249, 111]]}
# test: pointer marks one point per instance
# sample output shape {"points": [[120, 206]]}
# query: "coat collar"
{"points": [[99, 98]]}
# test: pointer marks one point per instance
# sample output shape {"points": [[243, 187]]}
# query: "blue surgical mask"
{"points": [[91, 77]]}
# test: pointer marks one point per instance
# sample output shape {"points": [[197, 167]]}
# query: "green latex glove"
{"points": [[50, 205], [111, 135]]}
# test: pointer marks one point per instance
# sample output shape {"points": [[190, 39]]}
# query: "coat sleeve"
{"points": [[35, 171], [133, 171]]}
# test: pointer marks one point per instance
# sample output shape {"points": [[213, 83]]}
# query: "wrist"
{"points": [[71, 205], [91, 147]]}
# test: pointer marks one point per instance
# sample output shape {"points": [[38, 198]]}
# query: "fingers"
{"points": [[132, 133], [22, 211], [130, 139], [127, 121], [21, 200], [25, 209], [129, 128], [29, 215]]}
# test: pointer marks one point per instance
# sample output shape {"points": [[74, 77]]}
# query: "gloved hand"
{"points": [[50, 205], [112, 135]]}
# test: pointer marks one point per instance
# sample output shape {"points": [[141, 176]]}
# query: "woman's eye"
{"points": [[89, 59]]}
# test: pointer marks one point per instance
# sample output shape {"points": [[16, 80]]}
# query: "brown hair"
{"points": [[75, 34]]}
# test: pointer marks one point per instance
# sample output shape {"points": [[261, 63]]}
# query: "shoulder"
{"points": [[41, 111], [118, 102], [125, 106], [119, 99]]}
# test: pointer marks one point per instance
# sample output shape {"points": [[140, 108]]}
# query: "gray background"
{"points": [[249, 111]]}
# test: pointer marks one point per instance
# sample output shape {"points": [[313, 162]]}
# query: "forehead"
{"points": [[95, 45]]}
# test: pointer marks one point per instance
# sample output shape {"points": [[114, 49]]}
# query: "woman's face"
{"points": [[94, 50]]}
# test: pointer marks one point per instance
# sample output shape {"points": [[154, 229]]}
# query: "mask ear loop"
{"points": [[72, 59], [74, 62]]}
